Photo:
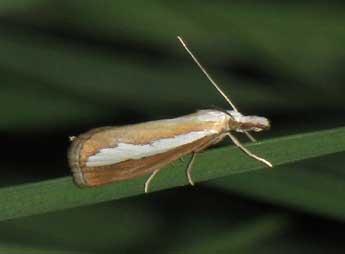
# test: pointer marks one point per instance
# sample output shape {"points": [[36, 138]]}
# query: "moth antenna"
{"points": [[206, 73], [212, 81]]}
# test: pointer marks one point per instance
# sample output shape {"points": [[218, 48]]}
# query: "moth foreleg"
{"points": [[246, 151]]}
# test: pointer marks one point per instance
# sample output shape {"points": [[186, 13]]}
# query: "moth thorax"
{"points": [[242, 123]]}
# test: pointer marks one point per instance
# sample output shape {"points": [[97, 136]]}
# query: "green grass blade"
{"points": [[59, 194]]}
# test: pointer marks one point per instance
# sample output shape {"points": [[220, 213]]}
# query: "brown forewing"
{"points": [[91, 142], [95, 176], [144, 133]]}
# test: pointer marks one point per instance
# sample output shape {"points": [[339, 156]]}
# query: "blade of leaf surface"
{"points": [[59, 194]]}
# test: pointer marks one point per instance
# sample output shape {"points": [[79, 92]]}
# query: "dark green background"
{"points": [[69, 66]]}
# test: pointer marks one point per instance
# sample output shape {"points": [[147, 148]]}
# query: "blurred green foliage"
{"points": [[68, 66]]}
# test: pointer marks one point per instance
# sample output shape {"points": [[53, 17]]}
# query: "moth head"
{"points": [[241, 123]]}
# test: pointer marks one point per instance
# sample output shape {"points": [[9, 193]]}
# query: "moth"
{"points": [[111, 154]]}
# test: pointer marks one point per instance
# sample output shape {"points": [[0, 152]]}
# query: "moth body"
{"points": [[111, 154]]}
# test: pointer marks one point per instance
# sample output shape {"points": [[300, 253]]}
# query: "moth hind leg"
{"points": [[149, 180], [189, 169]]}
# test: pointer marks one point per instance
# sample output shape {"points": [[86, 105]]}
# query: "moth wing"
{"points": [[95, 176], [190, 132]]}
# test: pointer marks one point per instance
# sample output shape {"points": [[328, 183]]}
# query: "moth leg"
{"points": [[189, 169], [190, 163], [246, 151], [251, 138], [149, 180]]}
